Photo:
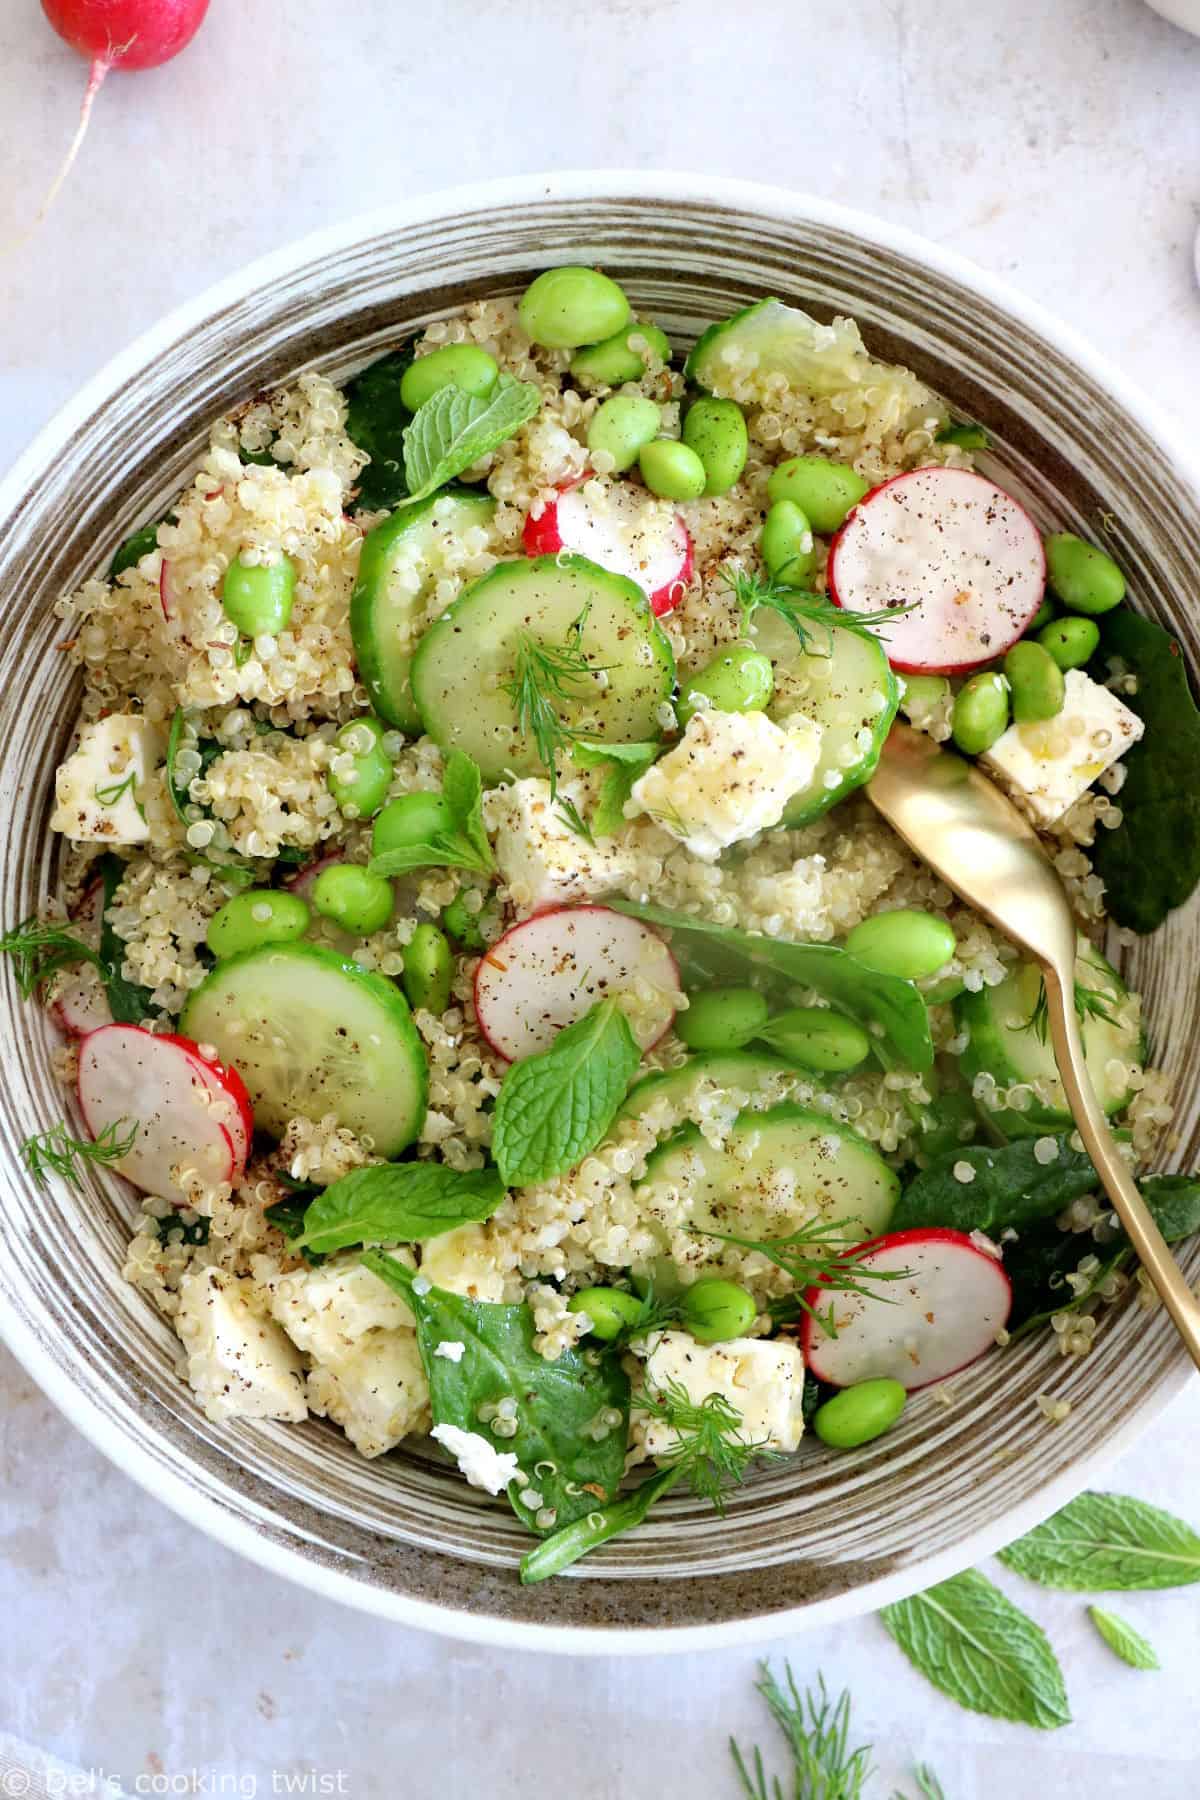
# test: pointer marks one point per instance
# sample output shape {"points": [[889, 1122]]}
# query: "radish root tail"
{"points": [[96, 74]]}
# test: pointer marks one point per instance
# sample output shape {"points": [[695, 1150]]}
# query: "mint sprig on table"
{"points": [[553, 1108], [452, 430], [1123, 1640], [1107, 1542], [465, 845], [397, 1203]]}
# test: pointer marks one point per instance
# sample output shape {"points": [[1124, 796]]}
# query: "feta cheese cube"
{"points": [[541, 860], [730, 776], [326, 1311], [377, 1393], [463, 1262], [240, 1364], [1048, 765], [483, 1465], [761, 1380], [98, 789]]}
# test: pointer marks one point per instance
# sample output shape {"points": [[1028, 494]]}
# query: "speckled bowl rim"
{"points": [[174, 1490]]}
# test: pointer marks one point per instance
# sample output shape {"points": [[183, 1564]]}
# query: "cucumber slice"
{"points": [[464, 660], [397, 575], [779, 1171], [771, 338], [745, 1070], [851, 693], [311, 1033], [1006, 1045]]}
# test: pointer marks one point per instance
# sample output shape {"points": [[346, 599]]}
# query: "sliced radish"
{"points": [[551, 969], [627, 530], [940, 1317], [302, 881], [191, 1113], [80, 1001], [166, 598], [964, 554]]}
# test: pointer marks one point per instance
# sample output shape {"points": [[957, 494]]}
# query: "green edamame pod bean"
{"points": [[258, 597], [714, 1311], [823, 490], [787, 543], [567, 307], [353, 898], [410, 819], [611, 1310], [622, 427], [1036, 681], [1042, 617], [463, 926], [921, 695], [258, 916], [817, 1038], [428, 970], [1083, 577], [622, 357], [721, 1018], [859, 1413], [361, 772], [1071, 642], [740, 679], [465, 366], [980, 713], [904, 942], [716, 431], [671, 470]]}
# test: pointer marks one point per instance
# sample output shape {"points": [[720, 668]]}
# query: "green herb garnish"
{"points": [[1090, 1003], [108, 796], [553, 1108], [1107, 1542], [57, 1152], [465, 845], [452, 430], [825, 1255], [397, 1203], [817, 1734], [806, 613], [1123, 1640]]}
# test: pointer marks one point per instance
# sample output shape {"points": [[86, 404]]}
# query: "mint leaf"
{"points": [[554, 1108], [622, 764], [969, 1640], [567, 1453], [1123, 1640], [398, 1203], [452, 430], [1107, 1542], [465, 845]]}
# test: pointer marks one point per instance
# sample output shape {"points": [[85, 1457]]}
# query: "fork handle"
{"points": [[1100, 1144]]}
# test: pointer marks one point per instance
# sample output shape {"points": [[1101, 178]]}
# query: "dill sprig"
{"points": [[38, 949], [57, 1152], [1090, 1003], [825, 1255], [545, 678], [711, 1453], [817, 1733], [928, 1784], [807, 613]]}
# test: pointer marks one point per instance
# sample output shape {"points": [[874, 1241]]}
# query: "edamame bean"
{"points": [[980, 714], [622, 427], [410, 819], [787, 543], [462, 925], [904, 942], [361, 772], [714, 1311], [353, 898], [256, 917], [1071, 642], [716, 431], [817, 1038], [428, 970], [619, 358], [258, 597], [1045, 612], [1038, 689], [739, 679], [465, 366], [859, 1413], [721, 1018], [1084, 578], [611, 1310], [921, 695], [671, 470], [567, 307], [823, 490]]}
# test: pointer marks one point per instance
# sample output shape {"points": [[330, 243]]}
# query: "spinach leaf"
{"points": [[1009, 1187], [1107, 1542], [553, 1108], [465, 845], [195, 1233], [1037, 1265], [891, 1009], [452, 430], [969, 1640], [567, 1450], [128, 1003], [376, 419], [398, 1203], [1123, 1640], [1151, 862], [131, 552], [1175, 1202]]}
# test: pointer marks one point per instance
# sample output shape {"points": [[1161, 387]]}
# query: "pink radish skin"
{"points": [[164, 589], [960, 549], [917, 1330], [548, 971], [658, 555], [302, 881], [80, 1003], [191, 1111]]}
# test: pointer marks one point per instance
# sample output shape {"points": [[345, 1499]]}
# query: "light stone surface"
{"points": [[1057, 142]]}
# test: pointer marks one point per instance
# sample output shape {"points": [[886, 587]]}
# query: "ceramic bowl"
{"points": [[822, 1535]]}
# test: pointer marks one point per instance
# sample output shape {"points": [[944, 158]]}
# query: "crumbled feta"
{"points": [[462, 1262], [541, 860], [327, 1310], [377, 1393], [240, 1364], [763, 1380], [98, 789], [731, 775], [480, 1462], [451, 1349], [1048, 765]]}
